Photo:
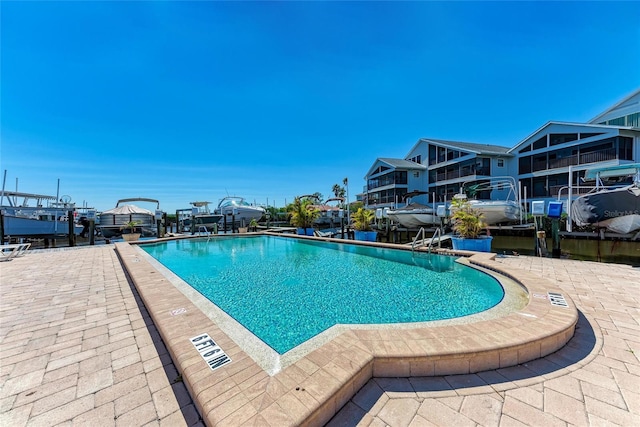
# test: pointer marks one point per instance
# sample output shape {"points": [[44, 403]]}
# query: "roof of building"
{"points": [[470, 146], [396, 164], [580, 125], [401, 163], [629, 104]]}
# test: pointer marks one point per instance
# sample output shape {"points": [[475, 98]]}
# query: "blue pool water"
{"points": [[286, 291]]}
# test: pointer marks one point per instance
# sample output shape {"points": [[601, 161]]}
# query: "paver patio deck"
{"points": [[79, 348]]}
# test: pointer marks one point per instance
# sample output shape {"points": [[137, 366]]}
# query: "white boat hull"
{"points": [[414, 218], [622, 224], [497, 211], [243, 214]]}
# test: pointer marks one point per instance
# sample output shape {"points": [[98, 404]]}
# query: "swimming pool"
{"points": [[286, 290]]}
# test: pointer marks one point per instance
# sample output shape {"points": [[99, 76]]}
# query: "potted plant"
{"points": [[303, 215], [129, 231], [253, 225], [362, 219], [468, 223]]}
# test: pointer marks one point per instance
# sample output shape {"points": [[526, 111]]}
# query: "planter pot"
{"points": [[131, 237], [481, 244], [365, 236], [304, 231], [371, 236], [242, 229]]}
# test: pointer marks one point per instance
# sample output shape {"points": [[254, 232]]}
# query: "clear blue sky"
{"points": [[183, 101]]}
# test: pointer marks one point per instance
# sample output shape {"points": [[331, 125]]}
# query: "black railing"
{"points": [[577, 159]]}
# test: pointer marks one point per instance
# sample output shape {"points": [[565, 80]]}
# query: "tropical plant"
{"points": [[130, 226], [338, 191], [303, 213], [253, 225], [362, 219], [467, 221]]}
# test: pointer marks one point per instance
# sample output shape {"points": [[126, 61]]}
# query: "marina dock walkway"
{"points": [[77, 347]]}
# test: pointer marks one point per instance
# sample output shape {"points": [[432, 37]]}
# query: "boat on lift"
{"points": [[201, 216], [614, 207], [112, 221], [414, 215], [499, 211], [237, 209]]}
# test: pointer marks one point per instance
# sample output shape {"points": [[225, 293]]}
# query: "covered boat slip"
{"points": [[28, 215], [113, 221]]}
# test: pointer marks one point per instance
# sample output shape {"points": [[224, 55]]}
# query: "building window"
{"points": [[525, 149], [524, 165], [541, 143], [616, 122], [561, 138], [500, 163], [625, 148], [432, 155], [588, 135]]}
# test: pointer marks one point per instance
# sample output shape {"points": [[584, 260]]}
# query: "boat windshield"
{"points": [[233, 202]]}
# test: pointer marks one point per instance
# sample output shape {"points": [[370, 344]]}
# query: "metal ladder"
{"points": [[415, 239], [436, 234], [203, 231]]}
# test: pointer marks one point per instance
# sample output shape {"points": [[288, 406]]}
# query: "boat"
{"points": [[329, 215], [112, 221], [38, 221], [616, 208], [414, 215], [236, 209], [494, 211], [201, 216]]}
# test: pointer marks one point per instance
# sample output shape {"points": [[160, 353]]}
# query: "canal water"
{"points": [[616, 251]]}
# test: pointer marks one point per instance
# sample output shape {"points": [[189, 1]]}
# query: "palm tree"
{"points": [[302, 213]]}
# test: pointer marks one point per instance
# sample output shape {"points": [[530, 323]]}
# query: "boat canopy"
{"points": [[612, 171], [127, 210]]}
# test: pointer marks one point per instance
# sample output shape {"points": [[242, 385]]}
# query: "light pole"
{"points": [[346, 183]]}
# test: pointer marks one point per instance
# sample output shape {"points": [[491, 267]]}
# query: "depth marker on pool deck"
{"points": [[557, 299], [210, 351]]}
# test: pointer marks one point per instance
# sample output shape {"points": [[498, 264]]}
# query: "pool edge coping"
{"points": [[313, 389]]}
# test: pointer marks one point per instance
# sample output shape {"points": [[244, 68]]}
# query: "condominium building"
{"points": [[540, 163]]}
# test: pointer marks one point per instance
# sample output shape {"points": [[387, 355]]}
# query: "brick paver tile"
{"points": [[565, 407], [98, 380], [527, 414], [63, 413], [131, 400], [399, 412], [528, 395], [610, 412], [16, 417], [138, 416], [440, 414], [21, 383], [483, 409]]}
